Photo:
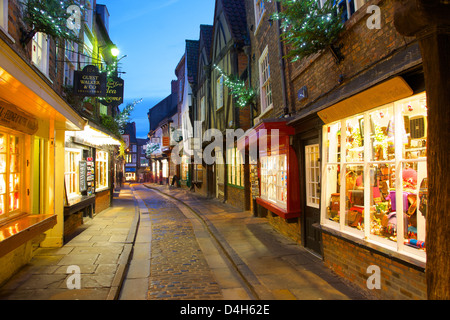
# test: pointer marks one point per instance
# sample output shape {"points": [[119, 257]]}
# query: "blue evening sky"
{"points": [[152, 34]]}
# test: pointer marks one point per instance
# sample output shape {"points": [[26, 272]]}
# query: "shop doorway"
{"points": [[312, 174]]}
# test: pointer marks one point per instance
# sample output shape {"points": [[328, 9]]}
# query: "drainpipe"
{"points": [[248, 52], [282, 65]]}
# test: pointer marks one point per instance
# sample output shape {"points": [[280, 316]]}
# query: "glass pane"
{"points": [[332, 187], [383, 217], [2, 183], [2, 163], [14, 201], [354, 190], [14, 182], [264, 177], [14, 144], [334, 143], [355, 139], [415, 190], [3, 142], [2, 204], [415, 123], [382, 134], [14, 164]]}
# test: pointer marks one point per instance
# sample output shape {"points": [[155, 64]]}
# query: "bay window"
{"points": [[375, 175], [274, 179]]}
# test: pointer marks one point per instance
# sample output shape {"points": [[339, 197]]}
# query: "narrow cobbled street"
{"points": [[203, 249], [178, 266]]}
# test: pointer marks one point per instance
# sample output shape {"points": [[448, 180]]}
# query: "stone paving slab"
{"points": [[101, 249]]}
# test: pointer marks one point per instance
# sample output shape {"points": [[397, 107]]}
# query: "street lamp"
{"points": [[115, 51]]}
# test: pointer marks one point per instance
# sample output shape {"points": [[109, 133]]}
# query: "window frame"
{"points": [[41, 41], [235, 169], [312, 182], [101, 171], [4, 15], [265, 84], [74, 178], [260, 9]]}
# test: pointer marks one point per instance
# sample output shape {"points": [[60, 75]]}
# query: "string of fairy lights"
{"points": [[238, 89]]}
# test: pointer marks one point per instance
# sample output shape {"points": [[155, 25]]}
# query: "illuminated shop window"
{"points": [[102, 173], [235, 168], [274, 179], [10, 174], [375, 183], [73, 158], [185, 160]]}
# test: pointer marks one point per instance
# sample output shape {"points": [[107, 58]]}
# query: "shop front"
{"points": [[33, 119], [278, 182], [374, 188], [89, 174]]}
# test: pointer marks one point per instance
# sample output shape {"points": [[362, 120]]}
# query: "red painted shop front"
{"points": [[278, 170]]}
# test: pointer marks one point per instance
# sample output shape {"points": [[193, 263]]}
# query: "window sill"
{"points": [[23, 229], [101, 189], [235, 186], [6, 33], [260, 117], [285, 214]]}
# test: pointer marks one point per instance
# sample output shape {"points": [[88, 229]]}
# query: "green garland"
{"points": [[244, 96], [123, 118], [308, 27], [49, 17]]}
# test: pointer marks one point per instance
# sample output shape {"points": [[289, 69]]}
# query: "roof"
{"points": [[164, 109], [206, 36], [192, 59], [130, 129], [236, 17]]}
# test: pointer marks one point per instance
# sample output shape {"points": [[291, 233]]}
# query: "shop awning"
{"points": [[392, 90], [94, 137]]}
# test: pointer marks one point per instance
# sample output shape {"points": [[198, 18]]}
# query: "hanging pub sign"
{"points": [[16, 119], [89, 82], [114, 92]]}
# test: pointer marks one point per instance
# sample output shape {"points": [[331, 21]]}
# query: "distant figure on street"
{"points": [[120, 178], [176, 180]]}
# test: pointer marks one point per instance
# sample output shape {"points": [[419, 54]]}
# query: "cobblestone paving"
{"points": [[178, 269]]}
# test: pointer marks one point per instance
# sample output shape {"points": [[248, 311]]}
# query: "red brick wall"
{"points": [[266, 35], [361, 48], [236, 197], [399, 281], [15, 24]]}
